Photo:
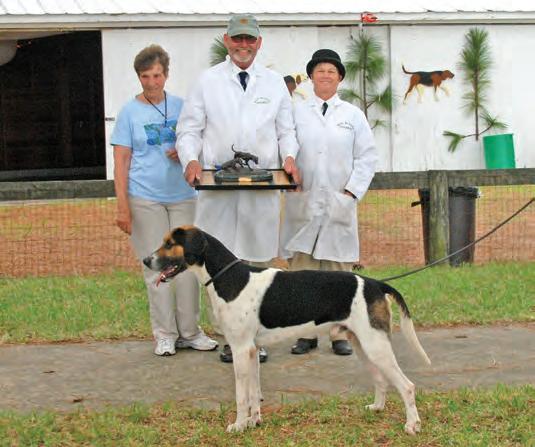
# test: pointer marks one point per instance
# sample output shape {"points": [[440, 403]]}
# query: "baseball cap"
{"points": [[243, 24]]}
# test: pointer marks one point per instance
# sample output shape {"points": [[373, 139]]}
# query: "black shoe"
{"points": [[342, 347], [226, 354], [304, 345], [262, 355]]}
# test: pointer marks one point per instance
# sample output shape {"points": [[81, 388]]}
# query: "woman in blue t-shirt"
{"points": [[153, 198]]}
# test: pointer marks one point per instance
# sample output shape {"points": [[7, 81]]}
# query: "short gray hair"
{"points": [[149, 56]]}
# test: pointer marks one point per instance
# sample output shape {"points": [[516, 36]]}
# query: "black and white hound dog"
{"points": [[255, 307]]}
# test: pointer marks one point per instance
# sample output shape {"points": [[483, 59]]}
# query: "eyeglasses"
{"points": [[248, 39]]}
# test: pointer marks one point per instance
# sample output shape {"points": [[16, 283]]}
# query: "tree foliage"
{"points": [[476, 62], [218, 51], [365, 66]]}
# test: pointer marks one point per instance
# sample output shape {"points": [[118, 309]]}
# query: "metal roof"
{"points": [[82, 7], [105, 13]]}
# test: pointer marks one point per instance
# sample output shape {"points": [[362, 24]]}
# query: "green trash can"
{"points": [[499, 151]]}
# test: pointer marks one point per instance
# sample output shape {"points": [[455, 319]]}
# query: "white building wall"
{"points": [[414, 140], [417, 127], [516, 89]]}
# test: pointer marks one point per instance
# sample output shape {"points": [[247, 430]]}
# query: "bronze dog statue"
{"points": [[241, 160]]}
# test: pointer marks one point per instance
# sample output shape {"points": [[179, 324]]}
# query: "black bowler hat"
{"points": [[326, 55]]}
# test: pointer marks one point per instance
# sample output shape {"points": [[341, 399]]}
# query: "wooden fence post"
{"points": [[439, 232]]}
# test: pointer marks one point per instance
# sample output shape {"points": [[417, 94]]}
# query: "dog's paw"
{"points": [[256, 418], [237, 427], [374, 407], [411, 428], [249, 422], [253, 421]]}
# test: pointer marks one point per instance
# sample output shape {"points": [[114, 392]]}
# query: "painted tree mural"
{"points": [[476, 62], [365, 67]]}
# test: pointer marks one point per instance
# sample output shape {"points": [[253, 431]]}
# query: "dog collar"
{"points": [[223, 270]]}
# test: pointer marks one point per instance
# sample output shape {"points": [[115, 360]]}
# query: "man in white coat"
{"points": [[337, 161], [239, 103]]}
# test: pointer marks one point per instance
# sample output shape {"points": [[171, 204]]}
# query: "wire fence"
{"points": [[391, 230], [79, 236], [62, 237]]}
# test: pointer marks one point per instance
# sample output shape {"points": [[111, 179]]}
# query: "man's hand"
{"points": [[291, 169], [172, 154], [192, 174]]}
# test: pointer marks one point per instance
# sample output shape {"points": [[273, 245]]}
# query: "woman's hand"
{"points": [[122, 156], [124, 219], [172, 154]]}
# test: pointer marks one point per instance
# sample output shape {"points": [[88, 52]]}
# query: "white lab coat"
{"points": [[337, 153], [219, 114]]}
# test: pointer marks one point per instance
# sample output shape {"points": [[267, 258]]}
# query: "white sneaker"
{"points": [[165, 346], [201, 342]]}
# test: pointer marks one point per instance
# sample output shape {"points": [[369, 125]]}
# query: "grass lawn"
{"points": [[115, 305], [470, 294], [502, 416]]}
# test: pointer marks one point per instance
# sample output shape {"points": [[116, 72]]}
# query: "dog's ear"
{"points": [[178, 236], [195, 245]]}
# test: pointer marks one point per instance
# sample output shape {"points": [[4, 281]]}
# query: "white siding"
{"points": [[417, 127], [421, 34]]}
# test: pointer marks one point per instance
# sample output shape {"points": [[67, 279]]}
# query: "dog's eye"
{"points": [[168, 245]]}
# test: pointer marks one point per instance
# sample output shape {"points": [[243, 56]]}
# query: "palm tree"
{"points": [[218, 51], [365, 67], [476, 62]]}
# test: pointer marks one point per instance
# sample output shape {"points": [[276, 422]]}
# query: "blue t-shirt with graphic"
{"points": [[152, 176]]}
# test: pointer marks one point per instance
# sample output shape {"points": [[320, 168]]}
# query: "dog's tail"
{"points": [[407, 327], [405, 70]]}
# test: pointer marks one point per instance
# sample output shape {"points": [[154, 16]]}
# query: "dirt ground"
{"points": [[79, 236], [72, 376]]}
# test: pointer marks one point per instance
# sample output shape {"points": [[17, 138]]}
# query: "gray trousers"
{"points": [[304, 261], [173, 306]]}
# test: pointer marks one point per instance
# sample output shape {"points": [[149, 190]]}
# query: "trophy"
{"points": [[238, 174], [238, 169]]}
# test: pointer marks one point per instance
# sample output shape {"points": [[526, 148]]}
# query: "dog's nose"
{"points": [[147, 261]]}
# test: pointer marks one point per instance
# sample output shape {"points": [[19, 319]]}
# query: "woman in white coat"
{"points": [[337, 160]]}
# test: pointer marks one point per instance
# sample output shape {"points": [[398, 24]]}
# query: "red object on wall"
{"points": [[368, 17]]}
